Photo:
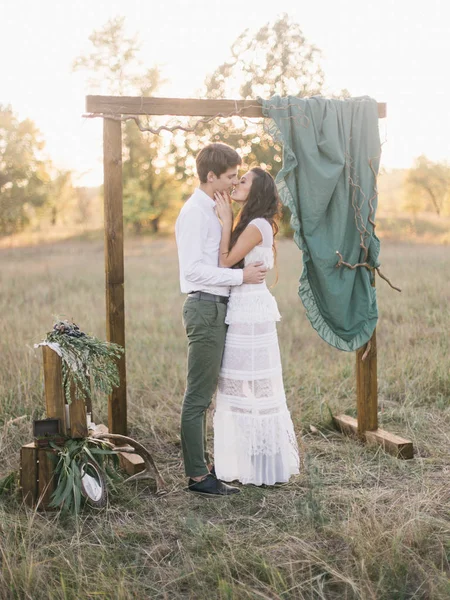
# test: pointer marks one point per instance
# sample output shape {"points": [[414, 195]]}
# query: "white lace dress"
{"points": [[254, 439]]}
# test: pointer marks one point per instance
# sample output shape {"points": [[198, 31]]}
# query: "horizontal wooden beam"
{"points": [[180, 107], [393, 444]]}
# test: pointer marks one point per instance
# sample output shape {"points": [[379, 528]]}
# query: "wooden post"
{"points": [[367, 383], [114, 265], [54, 393], [367, 387], [366, 424]]}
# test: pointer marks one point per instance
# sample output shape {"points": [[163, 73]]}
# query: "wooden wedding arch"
{"points": [[113, 109]]}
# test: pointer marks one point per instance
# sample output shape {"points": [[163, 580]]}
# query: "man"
{"points": [[198, 232]]}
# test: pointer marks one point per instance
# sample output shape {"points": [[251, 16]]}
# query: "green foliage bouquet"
{"points": [[84, 357], [80, 460]]}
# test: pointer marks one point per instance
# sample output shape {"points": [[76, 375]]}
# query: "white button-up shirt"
{"points": [[198, 232]]}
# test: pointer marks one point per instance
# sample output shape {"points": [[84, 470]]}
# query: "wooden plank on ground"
{"points": [[182, 107], [391, 443], [29, 473], [131, 463], [54, 393], [114, 266], [346, 424]]}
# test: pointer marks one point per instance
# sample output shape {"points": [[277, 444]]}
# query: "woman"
{"points": [[254, 440]]}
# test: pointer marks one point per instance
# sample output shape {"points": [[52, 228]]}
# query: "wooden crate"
{"points": [[29, 473], [37, 475]]}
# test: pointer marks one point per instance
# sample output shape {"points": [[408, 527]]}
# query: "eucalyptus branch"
{"points": [[84, 357]]}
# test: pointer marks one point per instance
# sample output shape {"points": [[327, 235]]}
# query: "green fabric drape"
{"points": [[331, 151]]}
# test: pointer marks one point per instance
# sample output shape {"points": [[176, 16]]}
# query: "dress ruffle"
{"points": [[254, 307], [253, 448]]}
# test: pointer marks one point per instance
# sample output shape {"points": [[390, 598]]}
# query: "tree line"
{"points": [[158, 172]]}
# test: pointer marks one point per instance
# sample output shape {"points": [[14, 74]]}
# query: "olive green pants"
{"points": [[205, 326]]}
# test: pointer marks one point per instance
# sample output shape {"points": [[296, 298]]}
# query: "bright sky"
{"points": [[395, 51]]}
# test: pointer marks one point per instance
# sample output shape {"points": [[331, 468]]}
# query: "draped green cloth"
{"points": [[331, 152]]}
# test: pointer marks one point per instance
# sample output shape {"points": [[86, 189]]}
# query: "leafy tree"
{"points": [[24, 173], [145, 177], [112, 61], [427, 186], [85, 197], [60, 196], [276, 60], [117, 70]]}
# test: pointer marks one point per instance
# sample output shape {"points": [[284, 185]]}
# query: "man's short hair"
{"points": [[217, 158]]}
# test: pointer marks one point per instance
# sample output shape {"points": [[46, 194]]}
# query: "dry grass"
{"points": [[356, 523]]}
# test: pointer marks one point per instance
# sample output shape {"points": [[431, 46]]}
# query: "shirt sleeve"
{"points": [[191, 239]]}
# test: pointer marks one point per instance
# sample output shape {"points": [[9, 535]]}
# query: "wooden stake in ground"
{"points": [[367, 386], [366, 424]]}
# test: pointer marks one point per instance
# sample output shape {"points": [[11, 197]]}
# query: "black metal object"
{"points": [[46, 427]]}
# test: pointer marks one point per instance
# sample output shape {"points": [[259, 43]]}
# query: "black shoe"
{"points": [[211, 487], [213, 473]]}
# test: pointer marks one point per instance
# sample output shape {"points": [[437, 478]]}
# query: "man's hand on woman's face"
{"points": [[223, 207]]}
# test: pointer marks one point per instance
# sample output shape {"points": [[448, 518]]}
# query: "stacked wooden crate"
{"points": [[37, 465]]}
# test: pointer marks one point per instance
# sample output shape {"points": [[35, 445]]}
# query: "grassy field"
{"points": [[356, 523]]}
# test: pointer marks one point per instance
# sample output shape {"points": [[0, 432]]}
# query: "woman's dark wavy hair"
{"points": [[263, 201]]}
